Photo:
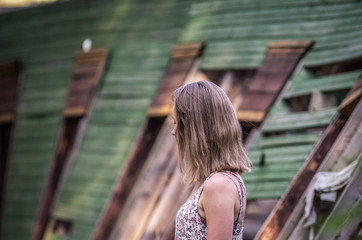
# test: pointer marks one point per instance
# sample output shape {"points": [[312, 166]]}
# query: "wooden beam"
{"points": [[274, 225], [87, 70], [344, 220], [289, 200], [149, 186], [6, 118], [177, 72], [345, 147], [134, 164], [159, 111], [162, 219], [250, 115], [191, 50], [279, 64], [86, 75], [353, 97], [74, 112], [183, 57]]}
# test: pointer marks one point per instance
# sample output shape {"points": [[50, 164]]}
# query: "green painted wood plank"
{"points": [[119, 117], [74, 179], [337, 55], [290, 158], [298, 120], [77, 215], [270, 176], [232, 5], [39, 106], [232, 62], [277, 167], [59, 79], [91, 202], [17, 209], [134, 91], [287, 150], [123, 105], [275, 16], [105, 147], [108, 133], [32, 132], [95, 161], [19, 156], [23, 197], [281, 153], [37, 145], [24, 173], [323, 84], [263, 190], [12, 230], [19, 184], [292, 139], [48, 66]]}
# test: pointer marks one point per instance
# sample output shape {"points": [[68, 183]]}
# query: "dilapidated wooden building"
{"points": [[85, 87]]}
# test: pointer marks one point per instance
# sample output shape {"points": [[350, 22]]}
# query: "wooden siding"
{"points": [[286, 140], [86, 75], [236, 32], [139, 57], [337, 82], [140, 39], [281, 213], [182, 58]]}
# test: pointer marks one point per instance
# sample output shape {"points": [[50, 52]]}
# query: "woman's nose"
{"points": [[173, 131]]}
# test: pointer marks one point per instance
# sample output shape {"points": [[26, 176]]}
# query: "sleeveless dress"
{"points": [[189, 223]]}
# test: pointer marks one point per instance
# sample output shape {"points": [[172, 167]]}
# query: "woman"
{"points": [[211, 154]]}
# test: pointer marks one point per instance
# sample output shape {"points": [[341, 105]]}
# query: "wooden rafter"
{"points": [[86, 75], [9, 84], [183, 58], [280, 62], [274, 224]]}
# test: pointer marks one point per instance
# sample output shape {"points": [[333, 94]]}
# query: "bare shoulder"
{"points": [[219, 184], [218, 198]]}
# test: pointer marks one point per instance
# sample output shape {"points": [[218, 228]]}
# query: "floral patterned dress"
{"points": [[189, 223]]}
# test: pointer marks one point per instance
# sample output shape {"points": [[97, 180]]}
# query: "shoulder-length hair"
{"points": [[208, 132]]}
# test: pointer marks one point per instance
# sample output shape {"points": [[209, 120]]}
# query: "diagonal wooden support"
{"points": [[182, 59], [280, 61], [9, 85], [86, 75], [283, 210]]}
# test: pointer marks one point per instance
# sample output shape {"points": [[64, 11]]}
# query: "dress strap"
{"points": [[241, 197], [243, 192], [240, 187]]}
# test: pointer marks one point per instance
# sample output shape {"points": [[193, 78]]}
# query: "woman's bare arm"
{"points": [[217, 204]]}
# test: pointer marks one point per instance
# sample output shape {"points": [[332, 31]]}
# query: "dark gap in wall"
{"points": [[63, 227], [339, 67], [5, 135]]}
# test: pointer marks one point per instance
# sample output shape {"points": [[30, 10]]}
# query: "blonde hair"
{"points": [[208, 132]]}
